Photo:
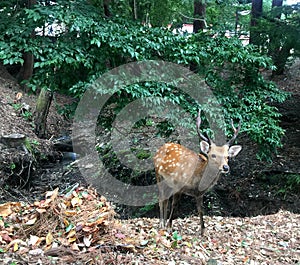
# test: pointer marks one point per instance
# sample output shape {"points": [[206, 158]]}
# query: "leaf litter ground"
{"points": [[80, 227]]}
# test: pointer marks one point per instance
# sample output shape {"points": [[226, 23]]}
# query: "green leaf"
{"points": [[69, 228]]}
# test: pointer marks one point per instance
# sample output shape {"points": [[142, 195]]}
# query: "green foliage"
{"points": [[172, 11], [88, 44], [280, 184], [221, 15], [12, 166], [233, 71], [34, 142], [165, 128], [156, 13], [286, 183], [176, 238], [17, 106], [148, 207], [293, 182], [27, 115], [142, 154], [67, 110], [31, 147], [279, 31]]}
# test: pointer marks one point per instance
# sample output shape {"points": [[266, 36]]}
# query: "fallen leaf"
{"points": [[92, 249], [23, 250], [72, 239], [74, 246], [69, 228], [87, 229], [40, 210], [144, 242], [70, 212], [87, 240], [52, 194], [49, 238], [31, 221], [15, 241], [85, 195], [36, 252], [66, 222], [71, 233], [5, 209], [6, 237], [78, 227], [76, 201], [16, 247], [33, 240], [119, 235]]}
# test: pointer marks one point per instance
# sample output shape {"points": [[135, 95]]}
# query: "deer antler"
{"points": [[198, 123], [236, 132]]}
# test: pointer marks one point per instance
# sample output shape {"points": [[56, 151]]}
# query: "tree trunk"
{"points": [[280, 58], [199, 23], [106, 8], [199, 15], [280, 50], [135, 16], [26, 70], [277, 3], [41, 112], [256, 13]]}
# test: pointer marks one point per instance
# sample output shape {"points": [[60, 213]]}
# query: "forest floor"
{"points": [[252, 215]]}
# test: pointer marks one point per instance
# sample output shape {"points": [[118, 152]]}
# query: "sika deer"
{"points": [[180, 170]]}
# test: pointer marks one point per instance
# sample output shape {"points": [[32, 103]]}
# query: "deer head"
{"points": [[218, 155]]}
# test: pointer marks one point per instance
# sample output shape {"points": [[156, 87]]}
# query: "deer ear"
{"points": [[234, 150], [204, 147]]}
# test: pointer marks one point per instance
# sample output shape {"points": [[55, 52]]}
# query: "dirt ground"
{"points": [[252, 189]]}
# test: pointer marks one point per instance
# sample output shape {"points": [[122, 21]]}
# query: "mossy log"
{"points": [[41, 112]]}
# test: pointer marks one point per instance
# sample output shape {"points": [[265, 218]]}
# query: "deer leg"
{"points": [[175, 200], [163, 202], [163, 210], [199, 200]]}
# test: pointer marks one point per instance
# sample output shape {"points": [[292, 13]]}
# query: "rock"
{"points": [[13, 140]]}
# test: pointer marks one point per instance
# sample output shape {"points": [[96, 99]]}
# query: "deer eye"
{"points": [[213, 156]]}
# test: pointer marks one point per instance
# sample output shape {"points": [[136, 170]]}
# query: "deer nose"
{"points": [[225, 168]]}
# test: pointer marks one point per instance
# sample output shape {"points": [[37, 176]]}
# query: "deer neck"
{"points": [[210, 176]]}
